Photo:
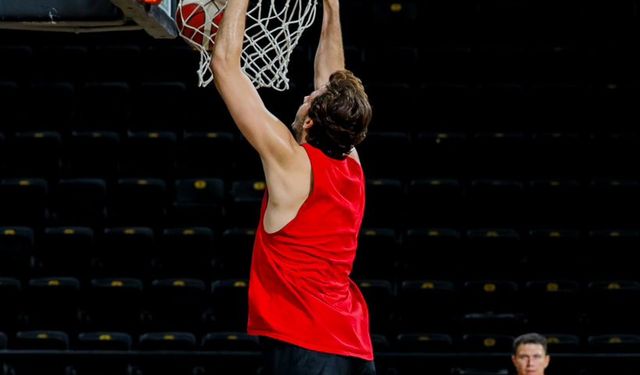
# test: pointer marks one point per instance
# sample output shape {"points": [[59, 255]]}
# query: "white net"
{"points": [[273, 29]]}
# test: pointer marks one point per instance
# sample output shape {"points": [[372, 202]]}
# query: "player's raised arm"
{"points": [[268, 135], [330, 53]]}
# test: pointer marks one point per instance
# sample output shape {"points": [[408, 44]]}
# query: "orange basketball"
{"points": [[198, 20]]}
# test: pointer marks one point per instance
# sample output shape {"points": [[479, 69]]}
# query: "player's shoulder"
{"points": [[354, 155]]}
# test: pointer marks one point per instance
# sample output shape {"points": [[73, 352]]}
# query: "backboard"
{"points": [[81, 16]]}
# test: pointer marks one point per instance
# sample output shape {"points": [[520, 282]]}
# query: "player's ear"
{"points": [[307, 123]]}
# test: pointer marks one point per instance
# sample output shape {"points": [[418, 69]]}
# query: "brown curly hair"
{"points": [[341, 115]]}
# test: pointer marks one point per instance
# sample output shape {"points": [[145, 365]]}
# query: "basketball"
{"points": [[198, 21]]}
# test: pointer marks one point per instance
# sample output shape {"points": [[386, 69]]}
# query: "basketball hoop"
{"points": [[272, 32]]}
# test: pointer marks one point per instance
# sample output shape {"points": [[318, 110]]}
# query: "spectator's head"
{"points": [[530, 355]]}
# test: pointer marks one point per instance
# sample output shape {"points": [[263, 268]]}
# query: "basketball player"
{"points": [[530, 355], [309, 314]]}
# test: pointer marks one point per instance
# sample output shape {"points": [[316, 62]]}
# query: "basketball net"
{"points": [[271, 33]]}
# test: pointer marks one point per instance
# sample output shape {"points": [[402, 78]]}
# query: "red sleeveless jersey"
{"points": [[299, 289]]}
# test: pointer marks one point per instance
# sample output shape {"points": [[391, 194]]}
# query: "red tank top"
{"points": [[299, 289]]}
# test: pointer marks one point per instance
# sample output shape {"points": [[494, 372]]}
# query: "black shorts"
{"points": [[281, 358]]}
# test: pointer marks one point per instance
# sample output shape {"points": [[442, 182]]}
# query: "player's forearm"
{"points": [[330, 52], [228, 42]]}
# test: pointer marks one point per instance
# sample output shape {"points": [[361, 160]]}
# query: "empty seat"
{"points": [[558, 90], [449, 103], [489, 149], [553, 305], [427, 305], [79, 201], [384, 154], [207, 111], [198, 201], [123, 251], [377, 253], [205, 154], [56, 102], [499, 323], [230, 307], [17, 62], [442, 154], [394, 108], [384, 198], [501, 104], [234, 257], [487, 343], [103, 341], [24, 201], [34, 154], [176, 304], [52, 303], [613, 202], [16, 246], [184, 252], [613, 100], [10, 294], [554, 202], [381, 301], [167, 341], [379, 343], [561, 154], [427, 252], [40, 341], [104, 103], [61, 62], [246, 163], [495, 203], [114, 304], [614, 343], [614, 261], [148, 94], [65, 251], [10, 96], [424, 342], [434, 202], [92, 153], [491, 253], [490, 296], [235, 341], [149, 154], [106, 60], [400, 63], [563, 343], [609, 306], [245, 201], [138, 201], [617, 346], [232, 341], [555, 254], [184, 60]]}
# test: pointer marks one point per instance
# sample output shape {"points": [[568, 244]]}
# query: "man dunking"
{"points": [[310, 316]]}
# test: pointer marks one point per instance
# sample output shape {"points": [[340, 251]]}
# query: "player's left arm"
{"points": [[267, 134]]}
